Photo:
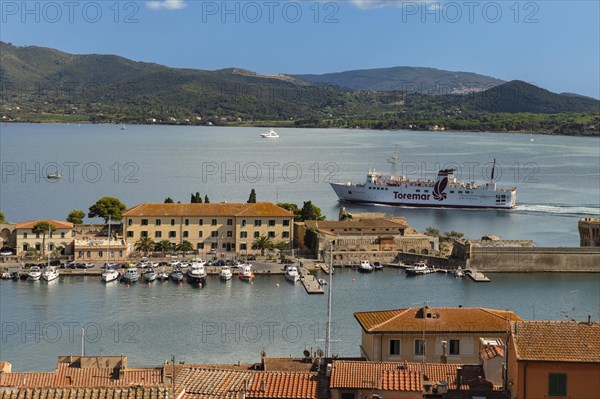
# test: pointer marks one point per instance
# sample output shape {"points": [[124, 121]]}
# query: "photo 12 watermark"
{"points": [[69, 171], [54, 12], [453, 12], [13, 332]]}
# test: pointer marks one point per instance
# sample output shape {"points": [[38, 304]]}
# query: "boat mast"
{"points": [[328, 338], [493, 170], [394, 161], [108, 245]]}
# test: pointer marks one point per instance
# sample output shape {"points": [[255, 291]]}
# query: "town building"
{"points": [[364, 236], [431, 335], [92, 243], [554, 359], [589, 232], [8, 236], [220, 228], [60, 240]]}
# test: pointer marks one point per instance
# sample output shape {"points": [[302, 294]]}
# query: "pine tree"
{"points": [[206, 201], [252, 199]]}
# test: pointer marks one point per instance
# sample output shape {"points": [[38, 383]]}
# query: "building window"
{"points": [[213, 222], [144, 222], [120, 253], [271, 223], [144, 234], [394, 347], [200, 222], [186, 234], [347, 395], [454, 347], [158, 234], [214, 233], [80, 254], [62, 235], [172, 222], [129, 234], [271, 234], [256, 234], [172, 234], [158, 222], [243, 247], [200, 234], [88, 254], [419, 347], [24, 235], [200, 245], [187, 222], [229, 222], [230, 234], [557, 384], [286, 223], [129, 222], [100, 254], [243, 234], [243, 222], [285, 234], [213, 246], [257, 223]]}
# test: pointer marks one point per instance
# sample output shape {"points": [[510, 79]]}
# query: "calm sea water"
{"points": [[235, 321], [558, 180]]}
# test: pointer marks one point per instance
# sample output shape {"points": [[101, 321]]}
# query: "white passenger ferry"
{"points": [[446, 191]]}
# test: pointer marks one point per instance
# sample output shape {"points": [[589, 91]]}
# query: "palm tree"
{"points": [[43, 228], [262, 243], [164, 246], [185, 246], [145, 245]]}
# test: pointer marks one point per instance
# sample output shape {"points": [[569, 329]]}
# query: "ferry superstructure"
{"points": [[444, 192]]}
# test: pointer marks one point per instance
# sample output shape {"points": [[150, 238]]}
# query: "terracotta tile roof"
{"points": [[396, 376], [259, 209], [491, 351], [66, 376], [199, 383], [55, 223], [557, 341], [288, 364], [442, 320], [86, 393]]}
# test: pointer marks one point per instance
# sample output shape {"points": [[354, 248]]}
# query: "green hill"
{"points": [[408, 79]]}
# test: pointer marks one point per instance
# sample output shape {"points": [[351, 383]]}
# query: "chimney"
{"points": [[589, 319], [444, 357], [328, 372], [458, 377]]}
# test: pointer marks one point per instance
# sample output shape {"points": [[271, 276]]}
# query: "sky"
{"points": [[552, 44]]}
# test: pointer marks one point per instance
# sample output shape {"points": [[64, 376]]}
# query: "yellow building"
{"points": [[61, 238], [554, 359], [211, 228], [431, 335], [589, 232]]}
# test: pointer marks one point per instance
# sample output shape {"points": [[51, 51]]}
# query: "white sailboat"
{"points": [[51, 273]]}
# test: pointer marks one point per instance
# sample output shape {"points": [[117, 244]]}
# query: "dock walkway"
{"points": [[311, 285], [477, 276]]}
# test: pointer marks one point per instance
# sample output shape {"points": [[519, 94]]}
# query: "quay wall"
{"points": [[535, 259]]}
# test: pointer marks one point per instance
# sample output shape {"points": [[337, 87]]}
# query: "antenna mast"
{"points": [[394, 161]]}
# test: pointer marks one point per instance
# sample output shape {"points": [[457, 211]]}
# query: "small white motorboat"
{"points": [[35, 273], [365, 267], [197, 274], [459, 272], [418, 268], [149, 275], [291, 274], [246, 272], [54, 176], [109, 274], [377, 266], [225, 273], [132, 275], [269, 134], [50, 273], [322, 281]]}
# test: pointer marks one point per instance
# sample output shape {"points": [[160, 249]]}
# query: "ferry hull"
{"points": [[408, 196]]}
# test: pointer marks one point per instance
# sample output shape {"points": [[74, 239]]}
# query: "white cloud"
{"points": [[384, 3], [166, 4]]}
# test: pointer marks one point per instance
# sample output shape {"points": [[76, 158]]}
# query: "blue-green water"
{"points": [[235, 321]]}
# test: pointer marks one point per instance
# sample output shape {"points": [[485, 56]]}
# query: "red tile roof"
{"points": [[491, 351], [396, 376], [86, 393], [557, 341], [66, 376], [259, 209], [55, 223], [442, 320]]}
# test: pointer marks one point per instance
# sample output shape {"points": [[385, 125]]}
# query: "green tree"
{"points": [[453, 235], [206, 200], [43, 228], [262, 243], [1, 217], [76, 216], [193, 199], [293, 208], [145, 245], [185, 246], [252, 198], [169, 200], [311, 212], [430, 231], [164, 246], [198, 198], [281, 245], [107, 208]]}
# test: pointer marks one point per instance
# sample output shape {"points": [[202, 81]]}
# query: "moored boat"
{"points": [[109, 274], [50, 273], [197, 273], [162, 275], [132, 275], [365, 267], [246, 272], [270, 134], [418, 268], [35, 273], [150, 275], [291, 274], [377, 266], [176, 275], [225, 273], [459, 272]]}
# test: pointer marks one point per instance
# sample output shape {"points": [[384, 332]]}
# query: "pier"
{"points": [[477, 276], [311, 285]]}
